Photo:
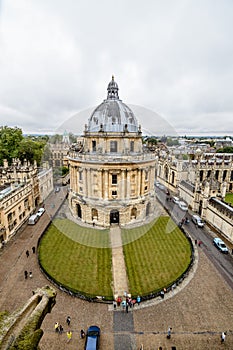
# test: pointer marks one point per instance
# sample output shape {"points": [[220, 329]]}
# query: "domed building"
{"points": [[111, 177]]}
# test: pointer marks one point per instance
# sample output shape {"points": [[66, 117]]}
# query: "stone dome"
{"points": [[112, 115]]}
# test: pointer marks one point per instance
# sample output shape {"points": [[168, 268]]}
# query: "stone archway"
{"points": [[114, 217]]}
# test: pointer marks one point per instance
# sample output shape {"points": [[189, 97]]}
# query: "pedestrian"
{"points": [[33, 250], [56, 327], [69, 336], [30, 274], [25, 274], [127, 307], [169, 333], [68, 320], [138, 300], [223, 337], [82, 334], [196, 241], [60, 329], [114, 304], [27, 253]]}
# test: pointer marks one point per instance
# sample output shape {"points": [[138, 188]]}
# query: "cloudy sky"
{"points": [[174, 58]]}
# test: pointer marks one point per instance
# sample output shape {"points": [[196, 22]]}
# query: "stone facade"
{"points": [[111, 176], [23, 188], [201, 183]]}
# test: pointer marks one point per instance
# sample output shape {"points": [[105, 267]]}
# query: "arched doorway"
{"points": [[114, 217], [79, 211]]}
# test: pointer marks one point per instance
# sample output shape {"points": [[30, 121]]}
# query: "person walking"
{"points": [[56, 327], [33, 250], [68, 320], [127, 307], [223, 337], [138, 300], [25, 274], [27, 253], [69, 336], [60, 329], [30, 274], [169, 333], [82, 334]]}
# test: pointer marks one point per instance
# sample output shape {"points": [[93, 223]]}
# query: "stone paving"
{"points": [[197, 312], [120, 282]]}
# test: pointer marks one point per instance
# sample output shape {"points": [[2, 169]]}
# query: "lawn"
{"points": [[77, 259], [80, 258], [229, 198], [156, 255]]}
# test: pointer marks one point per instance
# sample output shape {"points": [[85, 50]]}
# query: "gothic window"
{"points": [[216, 174], [80, 176], [113, 146], [173, 177], [224, 175], [146, 175], [231, 175], [201, 175], [208, 173]]}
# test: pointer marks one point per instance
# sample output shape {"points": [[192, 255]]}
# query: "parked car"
{"points": [[198, 221], [41, 211], [175, 200], [220, 245], [157, 183], [33, 219], [92, 338], [183, 206]]}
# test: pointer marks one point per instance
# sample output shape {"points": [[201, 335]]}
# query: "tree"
{"points": [[226, 149], [10, 139]]}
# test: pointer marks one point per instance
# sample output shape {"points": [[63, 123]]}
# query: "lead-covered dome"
{"points": [[112, 115]]}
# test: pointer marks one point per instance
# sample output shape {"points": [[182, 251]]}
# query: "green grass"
{"points": [[79, 267], [79, 258], [229, 198], [157, 258]]}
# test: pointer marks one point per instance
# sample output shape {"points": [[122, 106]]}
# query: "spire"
{"points": [[113, 89]]}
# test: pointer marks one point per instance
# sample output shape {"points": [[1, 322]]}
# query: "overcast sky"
{"points": [[174, 58]]}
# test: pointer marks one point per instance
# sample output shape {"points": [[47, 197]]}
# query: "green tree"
{"points": [[10, 139], [226, 149]]}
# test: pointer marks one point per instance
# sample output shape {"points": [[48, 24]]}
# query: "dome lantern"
{"points": [[113, 89]]}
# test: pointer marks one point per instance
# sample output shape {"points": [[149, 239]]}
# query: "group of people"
{"points": [[59, 329]]}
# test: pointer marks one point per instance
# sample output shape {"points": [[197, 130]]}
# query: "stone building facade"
{"points": [[202, 183], [111, 176], [20, 194]]}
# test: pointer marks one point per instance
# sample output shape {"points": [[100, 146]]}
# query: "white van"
{"points": [[33, 219], [198, 221], [183, 206]]}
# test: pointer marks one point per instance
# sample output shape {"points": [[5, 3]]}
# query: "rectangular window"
{"points": [[114, 193], [114, 179], [80, 176], [131, 146], [93, 146], [113, 146]]}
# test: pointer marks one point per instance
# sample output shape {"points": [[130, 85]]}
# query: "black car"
{"points": [[92, 338]]}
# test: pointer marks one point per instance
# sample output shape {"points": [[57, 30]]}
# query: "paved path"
{"points": [[120, 282]]}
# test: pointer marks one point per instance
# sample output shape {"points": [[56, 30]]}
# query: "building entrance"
{"points": [[114, 217]]}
